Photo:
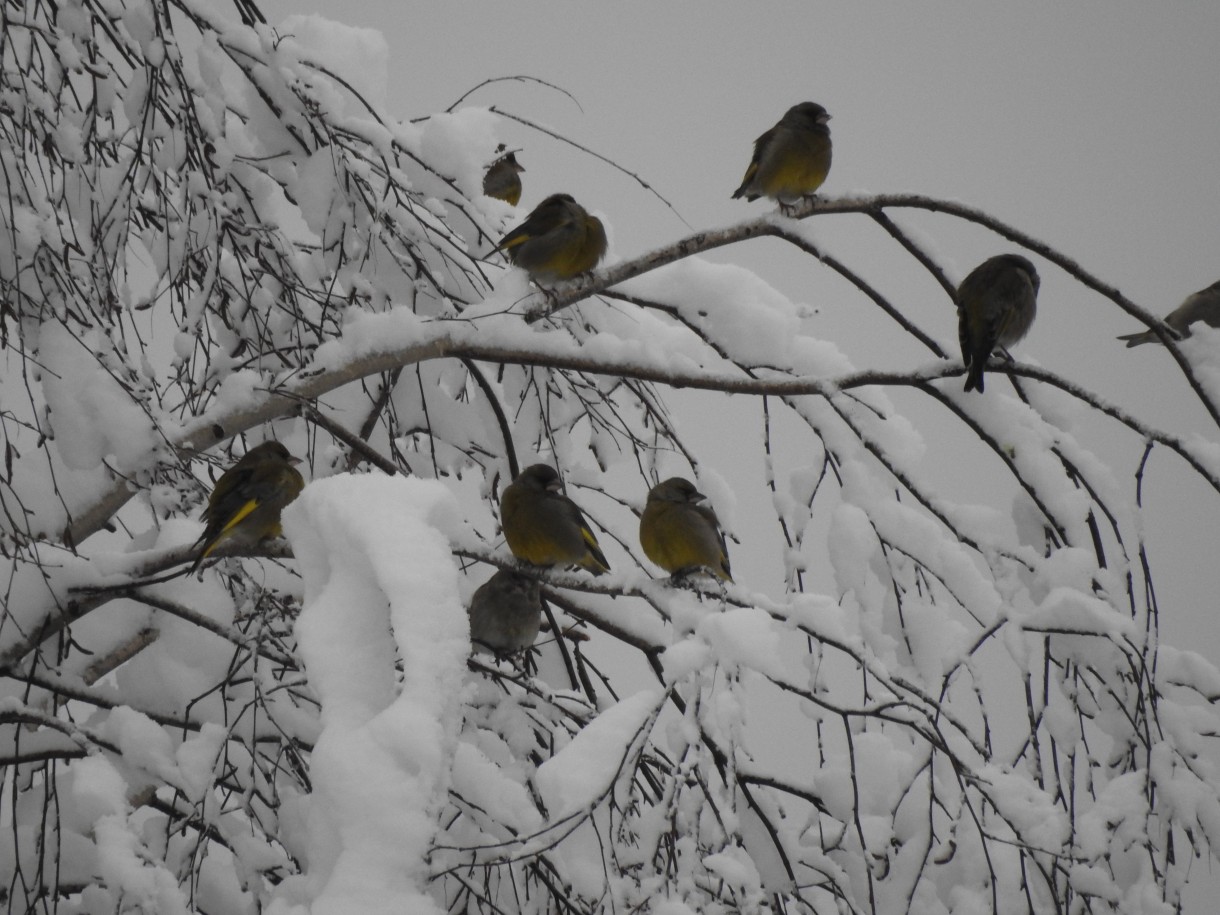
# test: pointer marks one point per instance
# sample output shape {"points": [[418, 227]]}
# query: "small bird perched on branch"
{"points": [[558, 240], [792, 159], [505, 613], [1203, 305], [503, 179], [544, 527], [679, 534], [996, 304], [245, 505]]}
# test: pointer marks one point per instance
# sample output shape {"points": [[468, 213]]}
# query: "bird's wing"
{"points": [[572, 511], [752, 169], [709, 515]]}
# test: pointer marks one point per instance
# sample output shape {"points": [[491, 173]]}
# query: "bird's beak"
{"points": [[294, 460], [553, 486]]}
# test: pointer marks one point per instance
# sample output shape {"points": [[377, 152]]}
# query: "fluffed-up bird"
{"points": [[1203, 305], [505, 613], [792, 159], [244, 507], [679, 533], [558, 240], [544, 527], [996, 304], [503, 179]]}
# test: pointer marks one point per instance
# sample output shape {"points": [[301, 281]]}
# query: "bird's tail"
{"points": [[200, 557], [1144, 336], [595, 560], [974, 377]]}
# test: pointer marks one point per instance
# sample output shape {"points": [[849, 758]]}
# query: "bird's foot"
{"points": [[696, 578], [795, 208]]}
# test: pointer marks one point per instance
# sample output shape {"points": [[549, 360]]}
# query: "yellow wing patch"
{"points": [[237, 518], [597, 561]]}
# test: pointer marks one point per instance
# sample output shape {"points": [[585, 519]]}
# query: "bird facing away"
{"points": [[557, 241], [681, 535], [544, 527], [503, 179], [792, 159], [996, 304], [245, 505], [1203, 305], [505, 613]]}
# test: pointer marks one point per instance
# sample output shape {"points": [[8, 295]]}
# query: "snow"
{"points": [[483, 784], [123, 862], [746, 637], [196, 760], [237, 391], [672, 907], [336, 46], [736, 869], [585, 770], [850, 542], [380, 587], [684, 658], [1189, 667], [97, 790], [464, 140], [1032, 813], [94, 418], [1067, 608], [323, 209], [142, 743]]}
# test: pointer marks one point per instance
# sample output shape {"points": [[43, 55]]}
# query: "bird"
{"points": [[246, 502], [503, 180], [544, 527], [996, 304], [558, 240], [792, 159], [1203, 305], [505, 613], [681, 535]]}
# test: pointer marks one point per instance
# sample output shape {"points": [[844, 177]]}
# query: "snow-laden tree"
{"points": [[211, 239]]}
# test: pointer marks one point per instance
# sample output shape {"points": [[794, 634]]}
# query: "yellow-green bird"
{"points": [[245, 505], [1203, 305], [505, 613], [503, 179], [679, 533], [544, 527], [996, 304], [558, 240], [792, 159]]}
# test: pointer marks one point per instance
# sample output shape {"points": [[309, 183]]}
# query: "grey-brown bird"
{"points": [[996, 304], [792, 159], [244, 507], [557, 241], [505, 613], [679, 533], [1203, 305], [544, 527], [503, 179]]}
